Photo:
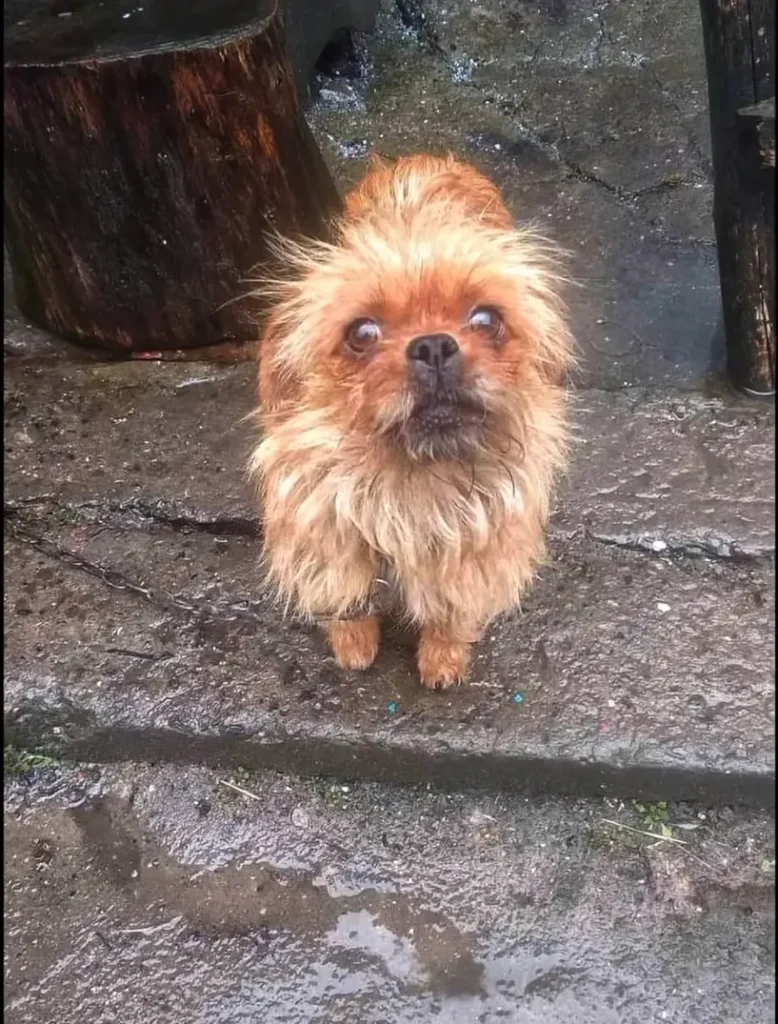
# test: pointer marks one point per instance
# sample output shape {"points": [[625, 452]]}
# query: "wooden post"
{"points": [[739, 40], [761, 116], [148, 151]]}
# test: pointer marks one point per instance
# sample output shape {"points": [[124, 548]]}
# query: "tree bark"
{"points": [[146, 158], [739, 40]]}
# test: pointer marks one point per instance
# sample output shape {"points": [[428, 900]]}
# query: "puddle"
{"points": [[139, 894]]}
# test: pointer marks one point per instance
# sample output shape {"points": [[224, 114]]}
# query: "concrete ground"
{"points": [[536, 863], [138, 894], [139, 626], [592, 117]]}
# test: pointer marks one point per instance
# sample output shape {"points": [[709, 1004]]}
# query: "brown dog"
{"points": [[414, 417]]}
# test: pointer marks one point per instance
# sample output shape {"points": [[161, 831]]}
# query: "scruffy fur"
{"points": [[354, 498]]}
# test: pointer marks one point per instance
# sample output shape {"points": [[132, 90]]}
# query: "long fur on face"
{"points": [[352, 482]]}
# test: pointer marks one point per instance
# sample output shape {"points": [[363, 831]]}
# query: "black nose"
{"points": [[437, 351]]}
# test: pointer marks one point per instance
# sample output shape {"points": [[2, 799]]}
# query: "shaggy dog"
{"points": [[413, 413]]}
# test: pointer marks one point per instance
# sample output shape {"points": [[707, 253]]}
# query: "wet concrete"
{"points": [[685, 470], [138, 624], [592, 117], [138, 894]]}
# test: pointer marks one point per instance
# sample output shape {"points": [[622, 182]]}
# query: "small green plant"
{"points": [[654, 818], [17, 761]]}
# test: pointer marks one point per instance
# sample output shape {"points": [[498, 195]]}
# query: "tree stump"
{"points": [[739, 40], [148, 151]]}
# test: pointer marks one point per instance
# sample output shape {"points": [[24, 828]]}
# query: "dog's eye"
{"points": [[487, 321], [362, 334]]}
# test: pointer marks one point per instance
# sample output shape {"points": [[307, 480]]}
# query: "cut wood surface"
{"points": [[148, 151]]}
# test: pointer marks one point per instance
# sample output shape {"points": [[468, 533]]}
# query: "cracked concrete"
{"points": [[141, 626], [673, 468], [139, 619], [164, 647], [592, 117], [642, 665]]}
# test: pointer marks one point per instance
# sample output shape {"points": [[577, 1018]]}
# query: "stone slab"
{"points": [[683, 469], [137, 625]]}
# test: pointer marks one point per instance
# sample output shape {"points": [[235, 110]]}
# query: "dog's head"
{"points": [[429, 323]]}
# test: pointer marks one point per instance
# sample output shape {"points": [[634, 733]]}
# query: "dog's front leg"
{"points": [[342, 591], [450, 612], [352, 631], [444, 653], [354, 642], [326, 574]]}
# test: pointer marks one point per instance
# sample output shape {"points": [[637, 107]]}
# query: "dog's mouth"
{"points": [[444, 425], [447, 413]]}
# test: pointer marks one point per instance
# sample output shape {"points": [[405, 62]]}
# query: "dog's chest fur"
{"points": [[408, 517], [338, 517]]}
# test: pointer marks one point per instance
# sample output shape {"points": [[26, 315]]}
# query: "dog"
{"points": [[414, 413]]}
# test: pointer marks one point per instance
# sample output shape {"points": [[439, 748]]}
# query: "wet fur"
{"points": [[350, 488]]}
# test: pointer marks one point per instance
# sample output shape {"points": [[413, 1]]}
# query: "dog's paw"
{"points": [[354, 642], [442, 663]]}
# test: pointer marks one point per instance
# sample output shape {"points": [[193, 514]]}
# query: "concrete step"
{"points": [[641, 666], [164, 894]]}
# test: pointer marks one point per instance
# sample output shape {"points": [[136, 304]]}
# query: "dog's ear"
{"points": [[276, 383], [363, 196], [559, 363], [538, 267], [553, 344]]}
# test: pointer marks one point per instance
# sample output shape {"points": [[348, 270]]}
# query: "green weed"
{"points": [[654, 818], [17, 761]]}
